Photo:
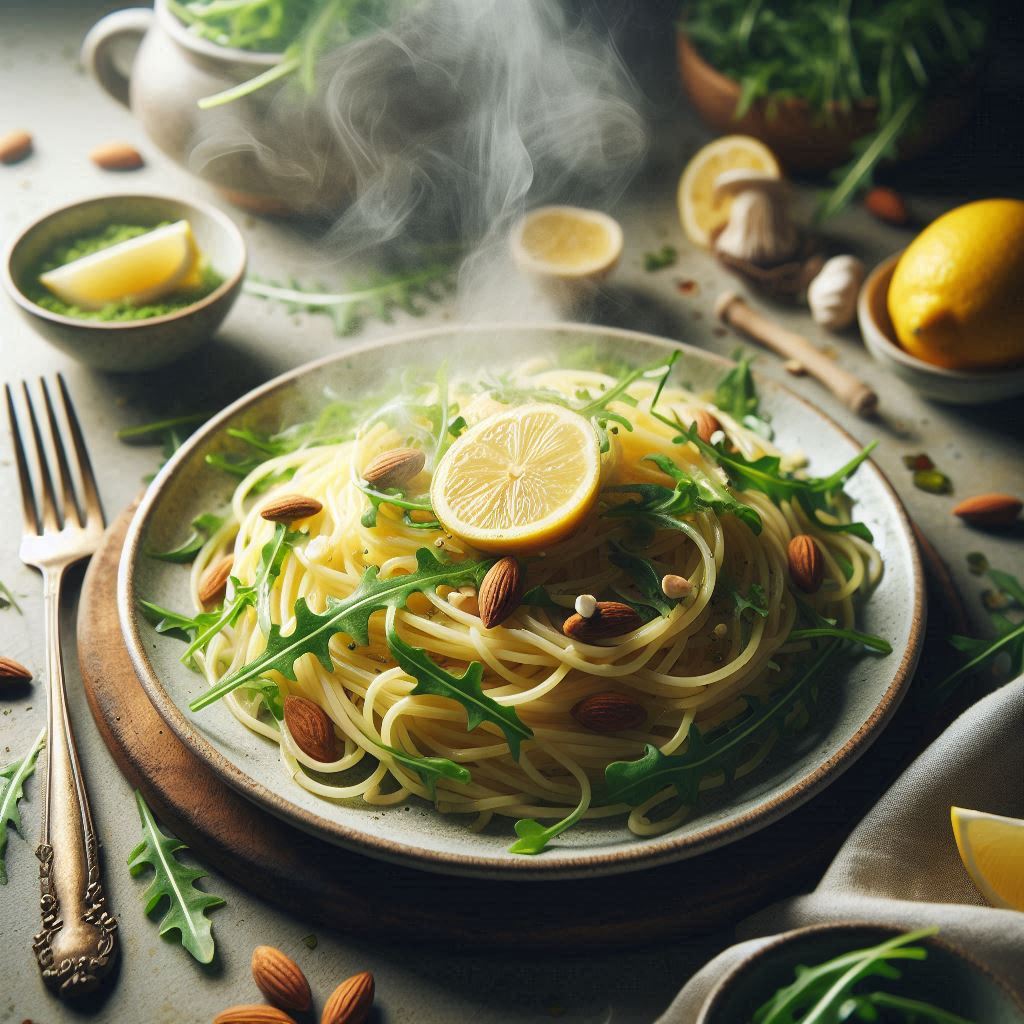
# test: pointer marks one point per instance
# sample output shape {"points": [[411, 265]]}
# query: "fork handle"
{"points": [[77, 943]]}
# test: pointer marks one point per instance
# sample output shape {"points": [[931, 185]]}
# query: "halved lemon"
{"points": [[567, 241], [519, 480], [992, 849], [140, 270], [701, 212]]}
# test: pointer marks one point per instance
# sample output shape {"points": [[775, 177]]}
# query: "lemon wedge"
{"points": [[567, 242], [137, 271], [701, 210], [519, 480], [992, 849]]}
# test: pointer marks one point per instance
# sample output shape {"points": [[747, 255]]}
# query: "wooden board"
{"points": [[324, 884]]}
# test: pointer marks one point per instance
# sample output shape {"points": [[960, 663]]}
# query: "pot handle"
{"points": [[103, 38]]}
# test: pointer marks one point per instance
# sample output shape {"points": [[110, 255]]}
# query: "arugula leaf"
{"points": [[466, 689], [633, 782], [351, 615], [397, 497], [156, 432], [534, 837], [539, 597], [11, 791], [869, 640], [755, 600], [7, 599], [171, 623], [429, 769], [660, 258], [186, 905], [270, 693], [737, 395], [203, 526], [693, 492], [645, 576], [272, 556]]}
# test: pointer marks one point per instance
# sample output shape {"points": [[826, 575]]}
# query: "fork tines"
{"points": [[44, 508]]}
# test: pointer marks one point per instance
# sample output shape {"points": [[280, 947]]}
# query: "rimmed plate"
{"points": [[858, 705]]}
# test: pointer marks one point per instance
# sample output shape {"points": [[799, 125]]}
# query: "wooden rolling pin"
{"points": [[851, 391]]}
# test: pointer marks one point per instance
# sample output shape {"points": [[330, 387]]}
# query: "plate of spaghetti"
{"points": [[523, 601]]}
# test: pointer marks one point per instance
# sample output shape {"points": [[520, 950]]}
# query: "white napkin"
{"points": [[900, 866]]}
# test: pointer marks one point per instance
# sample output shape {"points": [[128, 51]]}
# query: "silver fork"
{"points": [[77, 943]]}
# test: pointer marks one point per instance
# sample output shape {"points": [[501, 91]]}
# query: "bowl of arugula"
{"points": [[848, 971], [826, 87]]}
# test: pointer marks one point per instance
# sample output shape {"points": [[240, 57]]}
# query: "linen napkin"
{"points": [[900, 866]]}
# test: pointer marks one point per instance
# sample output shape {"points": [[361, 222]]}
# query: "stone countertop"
{"points": [[158, 982]]}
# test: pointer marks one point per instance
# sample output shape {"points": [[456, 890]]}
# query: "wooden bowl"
{"points": [[800, 137]]}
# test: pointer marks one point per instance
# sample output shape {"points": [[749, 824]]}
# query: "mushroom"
{"points": [[832, 295], [760, 229]]}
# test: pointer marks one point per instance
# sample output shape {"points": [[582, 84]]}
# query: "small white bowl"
{"points": [[958, 387]]}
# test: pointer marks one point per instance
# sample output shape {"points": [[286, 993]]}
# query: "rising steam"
{"points": [[445, 126]]}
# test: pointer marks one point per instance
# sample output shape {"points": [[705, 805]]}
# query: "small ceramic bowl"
{"points": [[958, 387], [947, 977], [130, 345]]}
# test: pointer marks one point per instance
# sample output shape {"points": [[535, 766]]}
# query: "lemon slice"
{"points": [[567, 241], [701, 212], [137, 271], [519, 480], [992, 849]]}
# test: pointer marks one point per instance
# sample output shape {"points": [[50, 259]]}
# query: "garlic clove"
{"points": [[832, 295]]}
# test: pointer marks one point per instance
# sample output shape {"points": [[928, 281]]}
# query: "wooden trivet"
{"points": [[321, 883]]}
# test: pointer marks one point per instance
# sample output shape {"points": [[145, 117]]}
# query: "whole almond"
{"points": [[214, 581], [610, 618], [500, 592], [806, 565], [609, 712], [12, 671], [117, 156], [350, 1002], [310, 728], [394, 468], [15, 146], [888, 205], [706, 425], [280, 979], [289, 508], [255, 1013], [989, 510]]}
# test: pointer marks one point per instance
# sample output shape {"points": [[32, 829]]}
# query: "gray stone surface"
{"points": [[43, 90]]}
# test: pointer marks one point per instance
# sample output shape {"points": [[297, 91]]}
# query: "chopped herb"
{"points": [[917, 462], [155, 432], [310, 941], [186, 906], [7, 599], [977, 563], [12, 782], [932, 481], [661, 258]]}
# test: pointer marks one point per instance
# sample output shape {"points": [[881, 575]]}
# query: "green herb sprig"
{"points": [[186, 906], [12, 782], [8, 600]]}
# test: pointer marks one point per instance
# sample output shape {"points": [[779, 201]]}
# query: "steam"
{"points": [[444, 127]]}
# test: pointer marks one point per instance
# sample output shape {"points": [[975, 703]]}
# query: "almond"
{"points": [[394, 468], [706, 425], [806, 565], [280, 979], [609, 712], [500, 592], [214, 581], [288, 508], [253, 1014], [15, 146], [350, 1002], [310, 728], [117, 156], [888, 205], [989, 510], [610, 618], [12, 671]]}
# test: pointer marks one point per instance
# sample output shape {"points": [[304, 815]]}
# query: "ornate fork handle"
{"points": [[77, 943]]}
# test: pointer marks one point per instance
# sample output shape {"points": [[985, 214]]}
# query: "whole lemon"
{"points": [[957, 295]]}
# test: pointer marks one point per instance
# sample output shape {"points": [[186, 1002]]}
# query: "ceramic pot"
{"points": [[800, 137], [270, 152]]}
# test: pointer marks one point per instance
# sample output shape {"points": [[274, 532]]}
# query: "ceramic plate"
{"points": [[859, 703]]}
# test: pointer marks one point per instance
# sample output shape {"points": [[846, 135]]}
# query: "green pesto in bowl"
{"points": [[68, 250]]}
